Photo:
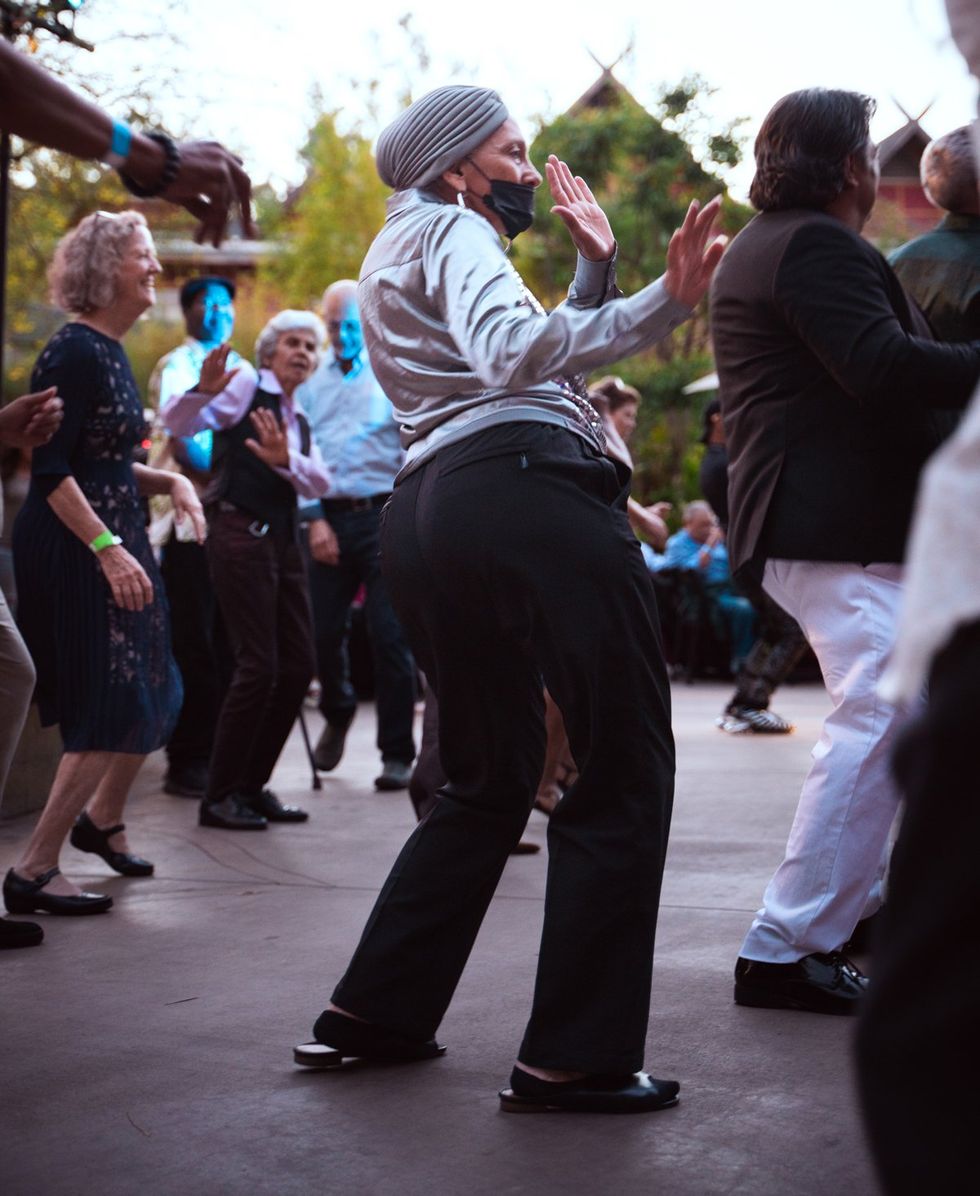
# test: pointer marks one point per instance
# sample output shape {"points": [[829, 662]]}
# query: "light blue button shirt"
{"points": [[353, 426], [176, 373]]}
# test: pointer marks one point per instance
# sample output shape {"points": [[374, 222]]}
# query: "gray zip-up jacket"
{"points": [[454, 342]]}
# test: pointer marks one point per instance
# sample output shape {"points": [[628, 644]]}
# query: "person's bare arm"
{"points": [[210, 180], [648, 522]]}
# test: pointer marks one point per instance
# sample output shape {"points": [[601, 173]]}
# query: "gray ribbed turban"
{"points": [[436, 132]]}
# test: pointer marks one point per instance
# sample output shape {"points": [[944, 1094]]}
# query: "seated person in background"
{"points": [[700, 546]]}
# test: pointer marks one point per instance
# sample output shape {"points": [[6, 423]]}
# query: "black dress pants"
{"points": [[919, 1036], [199, 647], [261, 587], [510, 560], [332, 589]]}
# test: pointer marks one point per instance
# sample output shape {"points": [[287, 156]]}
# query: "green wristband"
{"points": [[104, 540]]}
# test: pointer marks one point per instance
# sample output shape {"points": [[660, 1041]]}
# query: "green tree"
{"points": [[330, 221]]}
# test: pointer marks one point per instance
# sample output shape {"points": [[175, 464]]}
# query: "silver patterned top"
{"points": [[456, 344]]}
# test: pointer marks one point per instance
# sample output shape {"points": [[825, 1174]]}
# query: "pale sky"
{"points": [[247, 75]]}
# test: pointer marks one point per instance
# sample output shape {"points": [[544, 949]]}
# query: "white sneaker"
{"points": [[738, 719]]}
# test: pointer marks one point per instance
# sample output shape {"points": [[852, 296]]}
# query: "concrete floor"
{"points": [[149, 1051]]}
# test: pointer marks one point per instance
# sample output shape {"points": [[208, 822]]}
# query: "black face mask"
{"points": [[512, 202]]}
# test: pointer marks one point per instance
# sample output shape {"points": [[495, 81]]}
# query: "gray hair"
{"points": [[86, 262], [435, 133], [948, 171], [697, 507], [288, 321]]}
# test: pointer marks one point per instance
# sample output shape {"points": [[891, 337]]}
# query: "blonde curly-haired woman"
{"points": [[92, 608]]}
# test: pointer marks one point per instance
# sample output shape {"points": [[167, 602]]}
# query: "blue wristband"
{"points": [[122, 139]]}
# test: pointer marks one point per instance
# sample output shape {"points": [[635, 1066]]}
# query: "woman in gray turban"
{"points": [[510, 560]]}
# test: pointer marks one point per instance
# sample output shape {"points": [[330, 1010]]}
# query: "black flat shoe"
{"points": [[330, 747], [19, 934], [22, 896], [818, 983], [636, 1093], [271, 808], [86, 836], [231, 814], [339, 1038]]}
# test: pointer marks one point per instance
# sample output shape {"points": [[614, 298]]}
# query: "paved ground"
{"points": [[148, 1051]]}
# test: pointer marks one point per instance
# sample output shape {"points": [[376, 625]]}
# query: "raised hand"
{"points": [[209, 183], [215, 374], [272, 447], [32, 419], [576, 206], [691, 260]]}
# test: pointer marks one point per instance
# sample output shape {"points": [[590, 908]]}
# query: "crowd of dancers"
{"points": [[515, 578]]}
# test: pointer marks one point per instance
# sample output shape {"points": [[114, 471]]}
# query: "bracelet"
{"points": [[170, 169], [104, 540], [122, 139]]}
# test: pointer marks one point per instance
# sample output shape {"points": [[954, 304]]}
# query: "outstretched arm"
{"points": [[209, 182]]}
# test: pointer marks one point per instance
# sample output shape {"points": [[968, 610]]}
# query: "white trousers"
{"points": [[835, 859]]}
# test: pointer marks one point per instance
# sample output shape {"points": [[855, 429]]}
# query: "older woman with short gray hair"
{"points": [[263, 458]]}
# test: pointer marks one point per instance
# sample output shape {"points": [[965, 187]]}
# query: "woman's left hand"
{"points": [[576, 206], [272, 447], [188, 506]]}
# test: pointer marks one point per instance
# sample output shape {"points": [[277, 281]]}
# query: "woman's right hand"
{"points": [[215, 374], [131, 588]]}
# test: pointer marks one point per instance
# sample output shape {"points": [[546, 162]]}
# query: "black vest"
{"points": [[241, 478]]}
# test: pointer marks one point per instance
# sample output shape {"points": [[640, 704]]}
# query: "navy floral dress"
{"points": [[104, 674]]}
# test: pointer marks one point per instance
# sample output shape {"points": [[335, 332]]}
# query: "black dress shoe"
{"points": [[395, 774], [19, 934], [22, 896], [819, 983], [186, 780], [636, 1093], [231, 814], [86, 836], [271, 808], [330, 747], [339, 1038]]}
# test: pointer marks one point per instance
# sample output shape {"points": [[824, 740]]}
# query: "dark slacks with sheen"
{"points": [[510, 559], [921, 1025], [332, 589], [260, 583], [200, 649]]}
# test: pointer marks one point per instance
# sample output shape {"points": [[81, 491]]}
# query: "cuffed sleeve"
{"points": [[506, 343], [307, 474], [190, 412]]}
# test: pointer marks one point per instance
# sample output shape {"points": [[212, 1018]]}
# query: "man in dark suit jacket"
{"points": [[828, 380]]}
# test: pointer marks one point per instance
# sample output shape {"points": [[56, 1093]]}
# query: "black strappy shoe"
{"points": [[86, 836]]}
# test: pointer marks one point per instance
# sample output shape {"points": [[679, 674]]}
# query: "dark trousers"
{"points": [[261, 587], [510, 560], [921, 1024], [776, 652], [200, 649], [332, 589]]}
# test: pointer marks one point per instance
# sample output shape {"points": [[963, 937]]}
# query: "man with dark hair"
{"points": [[198, 636], [828, 374], [941, 269]]}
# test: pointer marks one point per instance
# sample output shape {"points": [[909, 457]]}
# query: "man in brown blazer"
{"points": [[829, 377]]}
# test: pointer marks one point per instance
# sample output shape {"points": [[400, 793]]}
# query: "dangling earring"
{"points": [[459, 199]]}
